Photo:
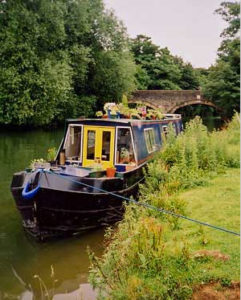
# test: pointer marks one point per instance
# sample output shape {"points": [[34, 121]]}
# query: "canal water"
{"points": [[27, 267]]}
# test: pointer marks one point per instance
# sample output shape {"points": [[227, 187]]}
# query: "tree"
{"points": [[158, 69], [51, 60], [223, 83]]}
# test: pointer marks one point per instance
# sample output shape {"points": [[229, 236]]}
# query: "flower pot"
{"points": [[110, 172], [53, 162]]}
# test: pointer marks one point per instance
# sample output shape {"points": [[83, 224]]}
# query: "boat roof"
{"points": [[127, 121]]}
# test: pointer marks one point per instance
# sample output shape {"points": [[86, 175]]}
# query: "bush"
{"points": [[144, 258]]}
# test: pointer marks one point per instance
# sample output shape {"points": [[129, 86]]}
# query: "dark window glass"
{"points": [[106, 146], [91, 144]]}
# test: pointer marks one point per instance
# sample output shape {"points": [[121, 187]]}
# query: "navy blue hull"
{"points": [[62, 208]]}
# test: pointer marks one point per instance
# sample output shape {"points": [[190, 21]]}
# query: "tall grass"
{"points": [[144, 258]]}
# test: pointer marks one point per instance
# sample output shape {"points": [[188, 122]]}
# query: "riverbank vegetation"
{"points": [[157, 256]]}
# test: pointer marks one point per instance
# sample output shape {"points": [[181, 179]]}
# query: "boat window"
{"points": [[73, 143], [125, 152], [150, 139], [91, 144], [164, 130], [106, 146]]}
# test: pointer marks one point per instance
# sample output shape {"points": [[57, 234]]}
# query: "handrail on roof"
{"points": [[165, 117]]}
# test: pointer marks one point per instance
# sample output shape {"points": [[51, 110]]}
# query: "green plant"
{"points": [[124, 153], [135, 113], [124, 100], [51, 154], [99, 113], [124, 110], [37, 161], [151, 113]]}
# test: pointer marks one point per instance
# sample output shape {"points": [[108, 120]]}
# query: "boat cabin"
{"points": [[120, 143]]}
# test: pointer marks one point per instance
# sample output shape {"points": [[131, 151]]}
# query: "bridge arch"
{"points": [[174, 108]]}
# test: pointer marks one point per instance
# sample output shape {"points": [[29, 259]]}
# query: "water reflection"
{"points": [[56, 268], [21, 258]]}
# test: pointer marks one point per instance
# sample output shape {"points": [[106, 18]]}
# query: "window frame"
{"points": [[81, 142], [150, 129], [116, 140]]}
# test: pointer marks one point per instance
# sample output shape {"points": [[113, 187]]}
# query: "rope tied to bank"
{"points": [[161, 210]]}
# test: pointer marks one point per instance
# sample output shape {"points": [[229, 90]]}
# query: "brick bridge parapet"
{"points": [[169, 100]]}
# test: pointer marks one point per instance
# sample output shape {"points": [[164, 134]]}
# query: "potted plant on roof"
{"points": [[159, 114], [110, 107], [99, 114], [141, 110], [113, 113], [151, 114], [51, 155], [124, 111], [134, 113]]}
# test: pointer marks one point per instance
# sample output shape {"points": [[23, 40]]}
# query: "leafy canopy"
{"points": [[60, 59], [223, 82], [158, 69]]}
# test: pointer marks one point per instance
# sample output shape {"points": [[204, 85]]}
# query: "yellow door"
{"points": [[98, 146]]}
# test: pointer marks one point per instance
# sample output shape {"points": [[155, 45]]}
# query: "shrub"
{"points": [[145, 259]]}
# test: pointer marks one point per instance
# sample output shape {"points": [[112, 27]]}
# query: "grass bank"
{"points": [[156, 256]]}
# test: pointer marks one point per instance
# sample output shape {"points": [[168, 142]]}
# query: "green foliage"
{"points": [[51, 154], [223, 82], [60, 59], [158, 69], [112, 82], [149, 255]]}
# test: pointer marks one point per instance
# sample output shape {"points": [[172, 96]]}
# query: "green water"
{"points": [[22, 258]]}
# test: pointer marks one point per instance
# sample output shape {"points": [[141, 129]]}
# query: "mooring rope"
{"points": [[162, 210]]}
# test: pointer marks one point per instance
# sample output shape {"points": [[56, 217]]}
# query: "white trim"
{"points": [[81, 142], [172, 116], [153, 146], [132, 140]]}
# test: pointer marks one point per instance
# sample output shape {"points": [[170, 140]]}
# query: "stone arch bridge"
{"points": [[170, 101]]}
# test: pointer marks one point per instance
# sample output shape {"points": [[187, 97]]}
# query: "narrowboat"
{"points": [[97, 158]]}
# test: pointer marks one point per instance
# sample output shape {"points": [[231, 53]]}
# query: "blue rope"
{"points": [[147, 205]]}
